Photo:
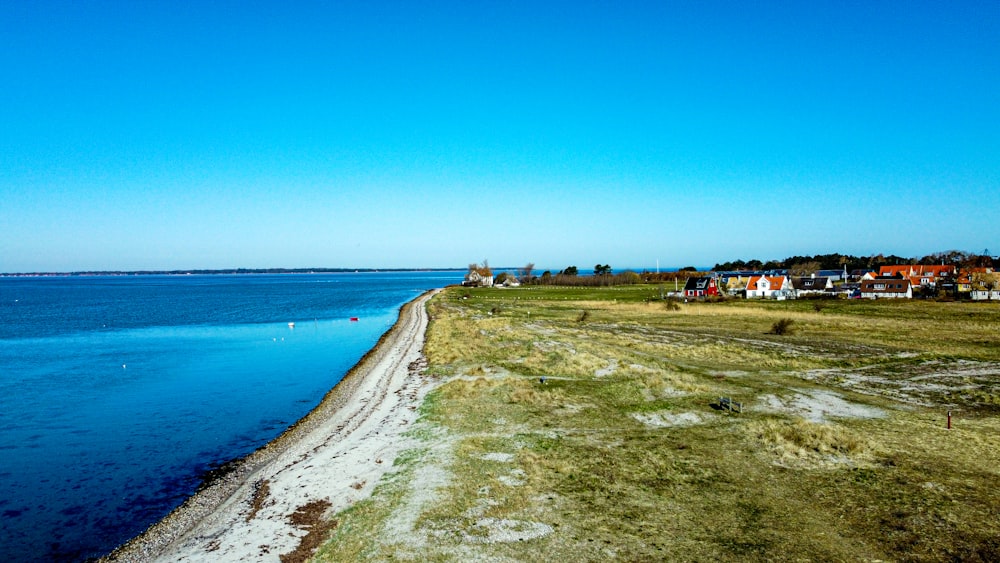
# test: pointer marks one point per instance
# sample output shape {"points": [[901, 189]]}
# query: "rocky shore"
{"points": [[277, 501]]}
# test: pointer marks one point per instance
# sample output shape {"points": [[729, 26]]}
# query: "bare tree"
{"points": [[483, 270], [525, 272], [804, 269]]}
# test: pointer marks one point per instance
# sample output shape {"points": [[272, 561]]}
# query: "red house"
{"points": [[701, 287]]}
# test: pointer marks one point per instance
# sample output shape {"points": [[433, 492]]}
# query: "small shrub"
{"points": [[583, 316], [495, 311], [783, 326], [818, 306], [672, 305]]}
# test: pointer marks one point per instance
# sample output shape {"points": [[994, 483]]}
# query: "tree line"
{"points": [[796, 265], [569, 276], [838, 261]]}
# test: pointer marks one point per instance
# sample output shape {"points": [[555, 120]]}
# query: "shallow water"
{"points": [[118, 393]]}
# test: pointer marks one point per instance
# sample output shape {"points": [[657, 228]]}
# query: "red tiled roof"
{"points": [[776, 282], [916, 270]]}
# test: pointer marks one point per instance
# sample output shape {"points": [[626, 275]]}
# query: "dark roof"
{"points": [[810, 283], [892, 285], [699, 283]]}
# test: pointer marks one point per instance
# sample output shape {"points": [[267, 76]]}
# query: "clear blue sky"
{"points": [[188, 134]]}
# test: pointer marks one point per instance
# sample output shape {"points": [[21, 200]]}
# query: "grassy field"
{"points": [[625, 452]]}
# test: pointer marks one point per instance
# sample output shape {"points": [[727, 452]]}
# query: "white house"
{"points": [[770, 287], [812, 285], [887, 288], [479, 277]]}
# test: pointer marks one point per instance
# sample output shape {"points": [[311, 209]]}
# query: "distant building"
{"points": [[701, 287], [769, 287], [852, 290], [833, 275], [887, 288], [984, 284], [479, 277], [856, 275], [918, 274], [733, 279], [812, 285], [985, 294]]}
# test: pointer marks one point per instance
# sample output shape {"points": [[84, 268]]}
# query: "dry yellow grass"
{"points": [[624, 452], [802, 443]]}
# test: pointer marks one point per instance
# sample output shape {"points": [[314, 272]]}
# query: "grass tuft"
{"points": [[803, 439]]}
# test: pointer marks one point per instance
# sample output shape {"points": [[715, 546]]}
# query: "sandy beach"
{"points": [[276, 501]]}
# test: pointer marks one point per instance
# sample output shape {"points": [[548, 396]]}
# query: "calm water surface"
{"points": [[118, 393]]}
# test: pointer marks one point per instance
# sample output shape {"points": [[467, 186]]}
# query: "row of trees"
{"points": [[807, 264], [796, 265], [570, 276]]}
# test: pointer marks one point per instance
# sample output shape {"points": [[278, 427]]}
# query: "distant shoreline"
{"points": [[229, 271]]}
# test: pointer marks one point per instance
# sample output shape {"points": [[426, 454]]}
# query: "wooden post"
{"points": [[949, 420]]}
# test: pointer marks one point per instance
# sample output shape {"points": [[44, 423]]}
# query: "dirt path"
{"points": [[267, 505]]}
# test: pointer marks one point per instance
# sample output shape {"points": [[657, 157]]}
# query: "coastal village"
{"points": [[948, 281]]}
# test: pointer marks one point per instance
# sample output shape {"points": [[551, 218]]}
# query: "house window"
{"points": [[879, 286]]}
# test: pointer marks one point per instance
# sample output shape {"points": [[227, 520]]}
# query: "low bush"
{"points": [[783, 326]]}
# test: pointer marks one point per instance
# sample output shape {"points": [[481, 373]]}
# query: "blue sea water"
{"points": [[118, 393]]}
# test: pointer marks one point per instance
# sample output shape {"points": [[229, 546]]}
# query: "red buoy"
{"points": [[354, 319]]}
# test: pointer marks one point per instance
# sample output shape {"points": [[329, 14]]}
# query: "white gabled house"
{"points": [[770, 287], [479, 277]]}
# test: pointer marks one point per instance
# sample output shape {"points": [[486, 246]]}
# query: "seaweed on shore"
{"points": [[218, 472]]}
